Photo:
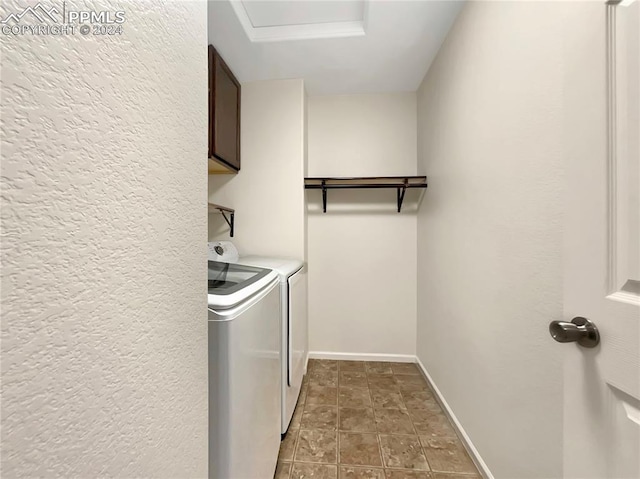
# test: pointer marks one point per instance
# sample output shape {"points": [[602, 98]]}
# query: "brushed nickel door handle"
{"points": [[579, 330]]}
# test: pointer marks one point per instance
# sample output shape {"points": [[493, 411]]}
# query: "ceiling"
{"points": [[345, 46]]}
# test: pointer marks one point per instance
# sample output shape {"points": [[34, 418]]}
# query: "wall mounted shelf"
{"points": [[400, 183], [213, 208]]}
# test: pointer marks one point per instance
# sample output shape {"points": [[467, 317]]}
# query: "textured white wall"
{"points": [[362, 253], [490, 231], [104, 332], [268, 193]]}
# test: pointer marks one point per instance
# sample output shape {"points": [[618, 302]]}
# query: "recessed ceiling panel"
{"points": [[390, 50], [296, 12], [284, 20]]}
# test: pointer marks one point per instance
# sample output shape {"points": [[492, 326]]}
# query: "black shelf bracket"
{"points": [[324, 196], [399, 183], [230, 221], [224, 211], [401, 191]]}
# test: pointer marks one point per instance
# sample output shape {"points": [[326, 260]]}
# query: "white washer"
{"points": [[244, 371], [294, 344]]}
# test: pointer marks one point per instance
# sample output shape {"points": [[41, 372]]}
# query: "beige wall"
{"points": [[268, 193], [104, 325], [362, 253], [490, 231]]}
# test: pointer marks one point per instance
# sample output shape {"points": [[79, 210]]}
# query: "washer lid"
{"points": [[224, 251], [230, 284], [283, 266]]}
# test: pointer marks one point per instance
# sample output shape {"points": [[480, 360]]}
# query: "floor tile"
{"points": [[382, 381], [303, 394], [288, 445], [405, 368], [324, 377], [447, 455], [326, 364], [354, 379], [316, 446], [319, 417], [393, 421], [411, 379], [402, 474], [447, 475], [361, 420], [283, 469], [420, 399], [315, 471], [354, 397], [351, 366], [317, 394], [431, 423], [415, 385], [317, 372], [297, 416], [356, 419], [359, 449], [403, 452], [378, 367], [387, 399], [348, 472]]}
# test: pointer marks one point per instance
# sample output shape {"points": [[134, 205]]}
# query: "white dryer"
{"points": [[294, 344]]}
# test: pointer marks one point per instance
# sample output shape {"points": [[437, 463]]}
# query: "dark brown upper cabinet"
{"points": [[224, 116]]}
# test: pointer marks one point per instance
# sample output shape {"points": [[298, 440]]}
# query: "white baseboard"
{"points": [[397, 358], [473, 452]]}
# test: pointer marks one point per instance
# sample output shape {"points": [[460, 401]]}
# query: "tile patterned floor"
{"points": [[370, 420]]}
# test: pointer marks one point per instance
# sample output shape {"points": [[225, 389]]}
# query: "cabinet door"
{"points": [[224, 112]]}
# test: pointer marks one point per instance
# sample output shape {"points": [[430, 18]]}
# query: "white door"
{"points": [[602, 239]]}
